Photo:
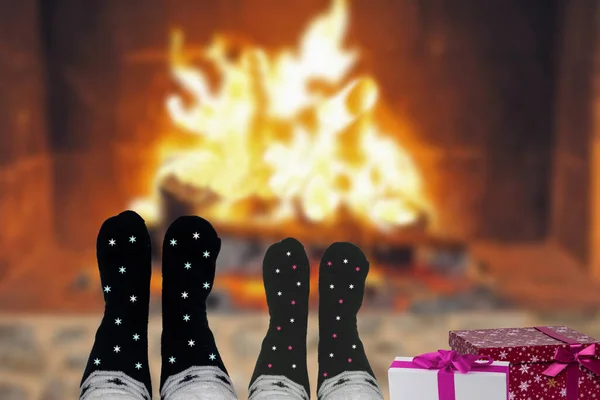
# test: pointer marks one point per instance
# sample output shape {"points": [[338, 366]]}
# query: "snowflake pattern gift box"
{"points": [[545, 362]]}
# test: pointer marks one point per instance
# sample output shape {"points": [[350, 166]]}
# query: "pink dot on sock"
{"points": [[278, 328], [289, 347], [329, 263], [334, 335], [293, 302], [357, 269], [325, 374], [294, 266], [349, 360], [341, 301], [270, 365]]}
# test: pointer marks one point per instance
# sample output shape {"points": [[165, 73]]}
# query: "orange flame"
{"points": [[292, 129]]}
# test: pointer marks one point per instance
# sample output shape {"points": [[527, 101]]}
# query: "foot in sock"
{"points": [[191, 365], [118, 364], [280, 372], [344, 371]]}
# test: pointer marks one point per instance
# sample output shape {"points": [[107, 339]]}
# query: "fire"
{"points": [[292, 130]]}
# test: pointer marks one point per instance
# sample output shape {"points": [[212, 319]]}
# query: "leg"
{"points": [[280, 372], [191, 365], [344, 371], [118, 364]]}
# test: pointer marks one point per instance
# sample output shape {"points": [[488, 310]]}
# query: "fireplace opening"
{"points": [[284, 142]]}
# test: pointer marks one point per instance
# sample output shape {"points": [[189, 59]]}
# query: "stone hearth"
{"points": [[43, 357]]}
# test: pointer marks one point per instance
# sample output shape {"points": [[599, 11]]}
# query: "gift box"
{"points": [[446, 375], [553, 362]]}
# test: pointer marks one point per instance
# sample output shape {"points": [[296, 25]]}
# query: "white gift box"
{"points": [[411, 382]]}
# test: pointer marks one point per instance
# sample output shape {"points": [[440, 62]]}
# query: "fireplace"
{"points": [[431, 129]]}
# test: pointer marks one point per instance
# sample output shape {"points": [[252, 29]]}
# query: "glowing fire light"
{"points": [[291, 129]]}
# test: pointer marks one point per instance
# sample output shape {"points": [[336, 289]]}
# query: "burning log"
{"points": [[253, 217]]}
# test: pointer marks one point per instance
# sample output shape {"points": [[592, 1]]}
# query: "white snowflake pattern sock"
{"points": [[118, 364], [192, 368]]}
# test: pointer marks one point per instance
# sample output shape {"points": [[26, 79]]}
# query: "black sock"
{"points": [[191, 362], [118, 362], [344, 371], [280, 370]]}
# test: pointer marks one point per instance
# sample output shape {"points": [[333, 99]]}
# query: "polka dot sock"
{"points": [[344, 371], [191, 365], [280, 372], [118, 364]]}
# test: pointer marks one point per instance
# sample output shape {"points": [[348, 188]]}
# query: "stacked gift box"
{"points": [[540, 363]]}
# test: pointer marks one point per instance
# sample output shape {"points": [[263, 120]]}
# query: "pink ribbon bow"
{"points": [[451, 361], [448, 362], [570, 359], [575, 354]]}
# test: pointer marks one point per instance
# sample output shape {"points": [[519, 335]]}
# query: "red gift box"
{"points": [[553, 362]]}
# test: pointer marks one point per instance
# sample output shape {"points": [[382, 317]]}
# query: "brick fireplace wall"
{"points": [[83, 79], [25, 165], [85, 84], [477, 79], [574, 210]]}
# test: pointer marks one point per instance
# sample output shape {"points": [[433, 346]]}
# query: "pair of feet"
{"points": [[118, 364], [191, 365], [344, 371]]}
